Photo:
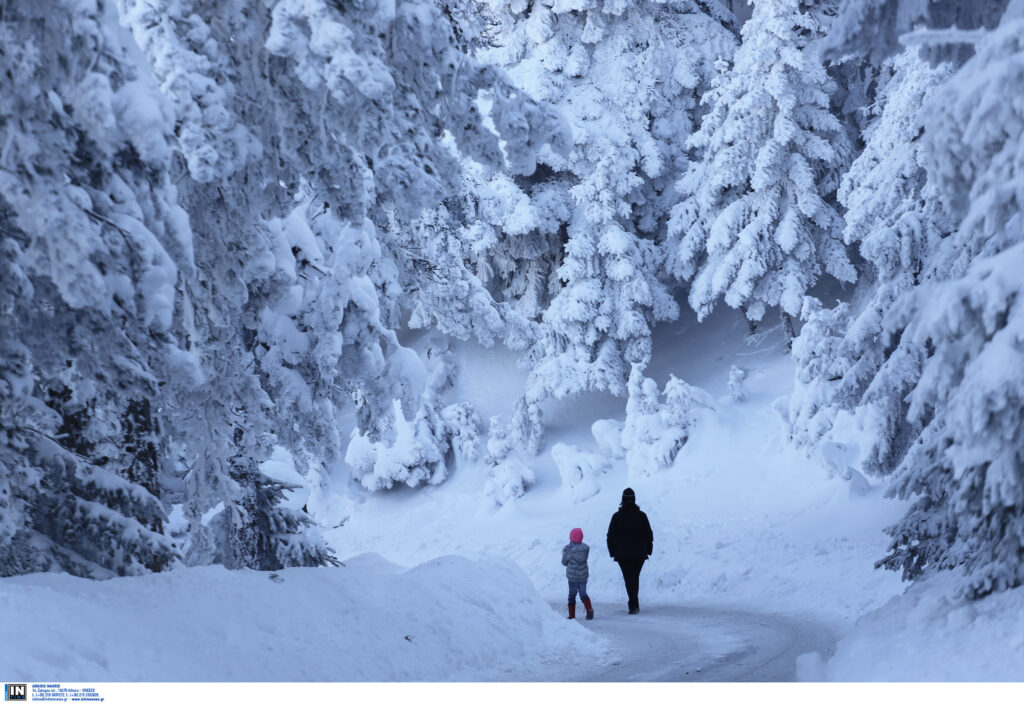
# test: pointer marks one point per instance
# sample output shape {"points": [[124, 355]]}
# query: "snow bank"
{"points": [[928, 635], [446, 619]]}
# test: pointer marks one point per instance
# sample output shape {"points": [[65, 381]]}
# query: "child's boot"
{"points": [[572, 611], [590, 610]]}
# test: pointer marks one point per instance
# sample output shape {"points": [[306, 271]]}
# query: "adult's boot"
{"points": [[572, 611], [590, 609]]}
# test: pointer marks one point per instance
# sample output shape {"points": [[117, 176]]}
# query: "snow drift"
{"points": [[446, 619]]}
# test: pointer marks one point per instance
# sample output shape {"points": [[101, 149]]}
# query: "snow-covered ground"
{"points": [[446, 619], [742, 518], [762, 570], [930, 635], [742, 521]]}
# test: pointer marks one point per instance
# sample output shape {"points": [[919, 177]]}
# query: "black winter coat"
{"points": [[629, 534]]}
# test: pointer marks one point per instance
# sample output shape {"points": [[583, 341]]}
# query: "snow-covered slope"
{"points": [[741, 518], [447, 619]]}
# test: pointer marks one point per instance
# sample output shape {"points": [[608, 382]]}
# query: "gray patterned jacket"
{"points": [[574, 558]]}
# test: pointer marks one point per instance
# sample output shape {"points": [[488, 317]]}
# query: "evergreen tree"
{"points": [[756, 224], [91, 243], [574, 246], [964, 465], [925, 362], [284, 135], [872, 28], [848, 362], [340, 109]]}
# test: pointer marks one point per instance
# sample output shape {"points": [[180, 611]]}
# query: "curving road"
{"points": [[699, 643]]}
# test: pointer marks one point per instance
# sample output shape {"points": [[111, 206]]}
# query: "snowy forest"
{"points": [[240, 230]]}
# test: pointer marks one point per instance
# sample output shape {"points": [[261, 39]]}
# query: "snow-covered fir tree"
{"points": [[756, 224], [924, 364], [872, 28], [656, 430], [573, 246], [285, 136], [341, 111], [963, 468], [847, 362], [91, 243], [221, 222]]}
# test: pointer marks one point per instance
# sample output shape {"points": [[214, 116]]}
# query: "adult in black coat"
{"points": [[630, 542]]}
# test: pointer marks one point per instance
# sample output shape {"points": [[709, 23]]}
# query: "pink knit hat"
{"points": [[576, 535]]}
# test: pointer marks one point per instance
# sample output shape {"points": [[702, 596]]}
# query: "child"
{"points": [[574, 558]]}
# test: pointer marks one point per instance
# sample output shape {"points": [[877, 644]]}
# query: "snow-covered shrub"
{"points": [[527, 427], [737, 378], [499, 444], [462, 430], [839, 459], [408, 457], [423, 449], [578, 470], [608, 435], [507, 480], [508, 476], [656, 430]]}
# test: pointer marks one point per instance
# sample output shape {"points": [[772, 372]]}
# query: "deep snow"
{"points": [[929, 635], [448, 619], [762, 569]]}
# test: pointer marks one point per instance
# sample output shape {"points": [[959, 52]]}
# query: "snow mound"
{"points": [[608, 435], [446, 619], [950, 640], [579, 470]]}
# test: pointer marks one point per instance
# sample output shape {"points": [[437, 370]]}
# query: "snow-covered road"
{"points": [[699, 643]]}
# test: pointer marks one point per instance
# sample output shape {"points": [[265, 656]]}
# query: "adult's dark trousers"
{"points": [[631, 575]]}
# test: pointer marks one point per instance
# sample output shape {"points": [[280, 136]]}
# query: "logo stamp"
{"points": [[15, 692]]}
